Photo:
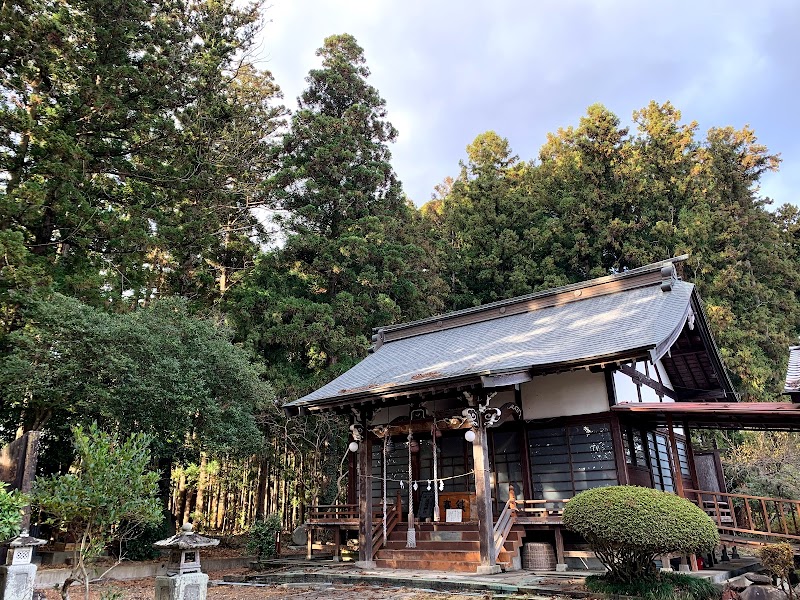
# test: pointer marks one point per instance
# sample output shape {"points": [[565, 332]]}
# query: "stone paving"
{"points": [[569, 584]]}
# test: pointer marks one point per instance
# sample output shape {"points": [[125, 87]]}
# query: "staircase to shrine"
{"points": [[445, 547]]}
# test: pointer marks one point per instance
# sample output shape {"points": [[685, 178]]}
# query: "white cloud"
{"points": [[450, 70]]}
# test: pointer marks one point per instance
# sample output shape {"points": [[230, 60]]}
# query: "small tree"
{"points": [[778, 559], [11, 506], [108, 495], [628, 527], [262, 537]]}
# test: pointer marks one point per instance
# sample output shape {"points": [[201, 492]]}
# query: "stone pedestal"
{"points": [[16, 581], [191, 586], [488, 569]]}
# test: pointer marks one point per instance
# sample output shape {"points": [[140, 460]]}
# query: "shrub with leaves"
{"points": [[11, 505], [109, 494], [628, 527], [778, 559], [670, 586], [262, 535]]}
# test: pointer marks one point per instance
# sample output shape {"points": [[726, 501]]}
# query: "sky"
{"points": [[450, 70]]}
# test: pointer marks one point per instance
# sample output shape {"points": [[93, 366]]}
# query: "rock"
{"points": [[738, 583], [763, 592], [300, 536], [759, 578]]}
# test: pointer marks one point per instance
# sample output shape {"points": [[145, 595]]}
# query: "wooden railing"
{"points": [[333, 512], [752, 516], [533, 511], [393, 515], [505, 522]]}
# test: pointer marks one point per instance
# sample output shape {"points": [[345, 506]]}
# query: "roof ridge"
{"points": [[581, 285]]}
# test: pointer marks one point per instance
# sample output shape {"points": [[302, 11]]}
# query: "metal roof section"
{"points": [[792, 385], [635, 313], [760, 416]]}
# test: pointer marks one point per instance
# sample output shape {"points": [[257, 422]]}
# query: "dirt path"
{"points": [[144, 589]]}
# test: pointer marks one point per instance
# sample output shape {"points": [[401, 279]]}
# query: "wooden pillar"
{"points": [[337, 544], [676, 461], [483, 491], [365, 502], [310, 543], [620, 452], [559, 547]]}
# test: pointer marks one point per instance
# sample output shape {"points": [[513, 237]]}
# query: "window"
{"points": [[507, 467], [396, 469], [567, 460], [633, 442], [660, 461]]}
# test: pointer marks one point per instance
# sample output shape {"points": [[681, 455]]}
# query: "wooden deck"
{"points": [[740, 518]]}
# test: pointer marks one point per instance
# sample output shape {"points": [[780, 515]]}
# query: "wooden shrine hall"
{"points": [[471, 430]]}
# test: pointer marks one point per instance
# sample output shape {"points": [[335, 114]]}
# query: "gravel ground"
{"points": [[144, 589]]}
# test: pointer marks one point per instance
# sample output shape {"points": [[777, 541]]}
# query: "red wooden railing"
{"points": [[393, 515], [759, 517], [540, 511], [505, 522]]}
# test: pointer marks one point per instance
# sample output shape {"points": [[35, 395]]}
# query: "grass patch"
{"points": [[667, 586]]}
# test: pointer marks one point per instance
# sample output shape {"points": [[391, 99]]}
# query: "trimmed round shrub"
{"points": [[628, 527]]}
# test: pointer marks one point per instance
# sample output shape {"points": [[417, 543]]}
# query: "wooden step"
{"points": [[442, 536], [431, 545], [471, 555], [428, 565]]}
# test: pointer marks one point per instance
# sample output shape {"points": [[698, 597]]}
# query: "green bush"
{"points": [[778, 560], [628, 527], [141, 547], [261, 537], [11, 505], [667, 586]]}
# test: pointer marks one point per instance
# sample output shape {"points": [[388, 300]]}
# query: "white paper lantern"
{"points": [[353, 446], [469, 435]]}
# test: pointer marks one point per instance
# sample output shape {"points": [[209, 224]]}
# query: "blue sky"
{"points": [[450, 70]]}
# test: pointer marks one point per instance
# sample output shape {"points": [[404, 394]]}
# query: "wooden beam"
{"points": [[480, 457], [676, 461], [645, 380]]}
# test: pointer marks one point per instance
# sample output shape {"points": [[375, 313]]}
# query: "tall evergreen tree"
{"points": [[116, 117], [603, 199], [350, 259]]}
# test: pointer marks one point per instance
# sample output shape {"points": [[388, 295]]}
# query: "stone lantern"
{"points": [[18, 575], [184, 580]]}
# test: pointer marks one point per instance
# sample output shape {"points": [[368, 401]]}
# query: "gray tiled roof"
{"points": [[792, 371], [581, 330]]}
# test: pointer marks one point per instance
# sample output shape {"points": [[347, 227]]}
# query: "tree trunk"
{"points": [[202, 482]]}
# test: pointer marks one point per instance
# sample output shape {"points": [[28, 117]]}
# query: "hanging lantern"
{"points": [[469, 435], [413, 445], [353, 446]]}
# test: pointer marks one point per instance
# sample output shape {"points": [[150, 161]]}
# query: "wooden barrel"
{"points": [[538, 556]]}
